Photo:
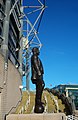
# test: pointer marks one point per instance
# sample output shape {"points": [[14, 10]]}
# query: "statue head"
{"points": [[35, 51]]}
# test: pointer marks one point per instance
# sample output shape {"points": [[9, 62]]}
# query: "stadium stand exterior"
{"points": [[10, 57]]}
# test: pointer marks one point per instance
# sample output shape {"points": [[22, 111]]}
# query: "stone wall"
{"points": [[1, 70], [10, 80], [13, 91]]}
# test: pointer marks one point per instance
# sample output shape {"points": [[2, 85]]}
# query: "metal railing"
{"points": [[71, 117]]}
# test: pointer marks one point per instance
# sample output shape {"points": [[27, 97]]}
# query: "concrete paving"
{"points": [[44, 116]]}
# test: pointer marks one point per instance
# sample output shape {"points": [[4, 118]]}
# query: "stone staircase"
{"points": [[31, 103], [22, 106], [52, 103], [54, 108]]}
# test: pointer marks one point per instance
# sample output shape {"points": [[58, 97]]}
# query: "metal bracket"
{"points": [[4, 15], [1, 39]]}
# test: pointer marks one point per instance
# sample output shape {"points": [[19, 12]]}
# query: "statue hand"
{"points": [[40, 77]]}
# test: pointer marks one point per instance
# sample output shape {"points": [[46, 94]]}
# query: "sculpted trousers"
{"points": [[39, 89]]}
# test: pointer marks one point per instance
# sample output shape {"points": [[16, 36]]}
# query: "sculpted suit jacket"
{"points": [[36, 68]]}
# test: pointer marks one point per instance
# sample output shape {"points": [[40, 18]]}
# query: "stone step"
{"points": [[44, 116], [76, 113]]}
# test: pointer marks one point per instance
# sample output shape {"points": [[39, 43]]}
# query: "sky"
{"points": [[59, 35]]}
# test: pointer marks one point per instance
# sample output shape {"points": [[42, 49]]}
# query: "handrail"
{"points": [[14, 106]]}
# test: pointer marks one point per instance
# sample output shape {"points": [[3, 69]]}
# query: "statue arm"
{"points": [[36, 65]]}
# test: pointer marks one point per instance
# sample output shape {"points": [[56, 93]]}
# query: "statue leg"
{"points": [[39, 89], [38, 104]]}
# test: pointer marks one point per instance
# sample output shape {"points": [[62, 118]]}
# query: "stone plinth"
{"points": [[44, 116], [76, 113]]}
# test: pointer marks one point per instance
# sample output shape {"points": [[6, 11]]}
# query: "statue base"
{"points": [[43, 116], [39, 109]]}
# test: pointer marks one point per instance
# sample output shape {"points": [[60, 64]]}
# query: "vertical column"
{"points": [[27, 70], [27, 60], [21, 44], [4, 46]]}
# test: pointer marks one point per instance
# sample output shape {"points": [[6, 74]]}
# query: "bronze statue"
{"points": [[37, 79]]}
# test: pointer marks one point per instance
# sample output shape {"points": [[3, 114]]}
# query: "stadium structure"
{"points": [[19, 28], [10, 55], [17, 37], [70, 91]]}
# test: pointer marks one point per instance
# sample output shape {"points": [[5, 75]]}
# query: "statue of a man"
{"points": [[37, 79]]}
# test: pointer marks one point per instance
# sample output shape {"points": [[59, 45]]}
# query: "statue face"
{"points": [[35, 51], [38, 52]]}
